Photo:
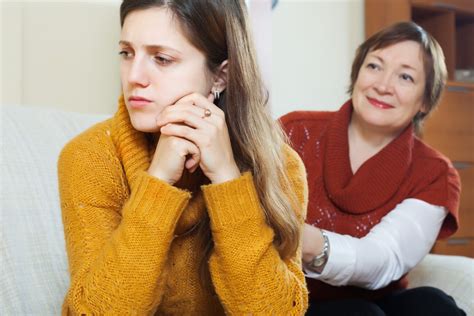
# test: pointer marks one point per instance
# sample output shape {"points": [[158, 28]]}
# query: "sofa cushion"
{"points": [[34, 274], [452, 274]]}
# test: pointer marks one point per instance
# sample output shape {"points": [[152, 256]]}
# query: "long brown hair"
{"points": [[219, 29]]}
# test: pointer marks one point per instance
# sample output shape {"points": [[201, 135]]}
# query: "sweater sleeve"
{"points": [[382, 256], [440, 186], [246, 269], [116, 249]]}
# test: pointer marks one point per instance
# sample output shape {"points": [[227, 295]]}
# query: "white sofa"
{"points": [[34, 276]]}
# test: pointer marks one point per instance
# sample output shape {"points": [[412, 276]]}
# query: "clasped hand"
{"points": [[191, 139]]}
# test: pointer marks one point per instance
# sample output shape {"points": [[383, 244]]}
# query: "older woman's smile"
{"points": [[379, 104]]}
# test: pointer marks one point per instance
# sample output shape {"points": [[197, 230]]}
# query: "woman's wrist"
{"points": [[313, 242], [228, 175], [319, 261], [159, 175]]}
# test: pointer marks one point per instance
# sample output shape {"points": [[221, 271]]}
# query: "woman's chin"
{"points": [[145, 126]]}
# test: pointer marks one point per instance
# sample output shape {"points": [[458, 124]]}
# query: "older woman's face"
{"points": [[159, 66], [389, 89]]}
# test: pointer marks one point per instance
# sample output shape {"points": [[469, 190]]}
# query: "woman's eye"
{"points": [[124, 54], [407, 77], [163, 61], [372, 66]]}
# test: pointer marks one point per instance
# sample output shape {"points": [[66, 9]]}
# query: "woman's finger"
{"points": [[203, 102], [184, 131], [193, 162], [183, 113]]}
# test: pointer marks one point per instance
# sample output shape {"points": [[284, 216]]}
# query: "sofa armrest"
{"points": [[452, 274]]}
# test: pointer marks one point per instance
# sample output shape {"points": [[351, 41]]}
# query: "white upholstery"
{"points": [[34, 276], [453, 274]]}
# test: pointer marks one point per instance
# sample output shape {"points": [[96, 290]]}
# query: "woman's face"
{"points": [[389, 89], [159, 66]]}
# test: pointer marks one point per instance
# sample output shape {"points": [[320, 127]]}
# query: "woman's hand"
{"points": [[171, 156], [313, 242], [196, 119]]}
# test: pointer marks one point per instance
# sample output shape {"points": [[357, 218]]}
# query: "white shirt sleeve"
{"points": [[392, 247]]}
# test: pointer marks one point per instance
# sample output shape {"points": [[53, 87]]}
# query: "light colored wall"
{"points": [[11, 52], [260, 12], [314, 42], [61, 54]]}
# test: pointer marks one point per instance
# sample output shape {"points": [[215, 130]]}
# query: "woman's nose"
{"points": [[138, 73], [384, 84]]}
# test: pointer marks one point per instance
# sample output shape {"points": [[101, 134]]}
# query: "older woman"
{"points": [[379, 196], [187, 201]]}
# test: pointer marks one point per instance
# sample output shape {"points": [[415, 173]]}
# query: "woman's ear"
{"points": [[424, 109], [220, 77]]}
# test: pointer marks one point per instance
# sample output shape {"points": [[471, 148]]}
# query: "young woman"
{"points": [[187, 201], [379, 196]]}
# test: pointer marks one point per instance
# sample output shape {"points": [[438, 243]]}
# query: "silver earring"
{"points": [[216, 93]]}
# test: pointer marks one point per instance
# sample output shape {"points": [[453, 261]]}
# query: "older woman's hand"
{"points": [[313, 242]]}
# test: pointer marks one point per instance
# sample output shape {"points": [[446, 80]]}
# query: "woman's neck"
{"points": [[366, 141]]}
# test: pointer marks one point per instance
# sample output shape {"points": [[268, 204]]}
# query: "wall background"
{"points": [[314, 43], [63, 54]]}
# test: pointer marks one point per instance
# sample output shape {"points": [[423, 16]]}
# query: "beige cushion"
{"points": [[452, 274], [34, 275]]}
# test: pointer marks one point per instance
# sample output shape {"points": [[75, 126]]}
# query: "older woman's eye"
{"points": [[407, 77], [124, 54], [163, 61], [373, 66]]}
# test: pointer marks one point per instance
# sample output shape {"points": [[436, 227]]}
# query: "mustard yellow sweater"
{"points": [[120, 225]]}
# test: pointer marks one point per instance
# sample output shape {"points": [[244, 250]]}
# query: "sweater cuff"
{"points": [[233, 202], [156, 203]]}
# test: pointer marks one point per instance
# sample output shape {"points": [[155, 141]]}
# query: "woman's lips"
{"points": [[138, 102], [380, 104]]}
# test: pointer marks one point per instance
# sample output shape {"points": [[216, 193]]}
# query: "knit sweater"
{"points": [[352, 204], [131, 244]]}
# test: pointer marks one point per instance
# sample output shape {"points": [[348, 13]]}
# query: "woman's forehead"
{"points": [[406, 53], [155, 27]]}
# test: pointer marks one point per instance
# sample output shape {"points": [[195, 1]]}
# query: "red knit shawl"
{"points": [[352, 204]]}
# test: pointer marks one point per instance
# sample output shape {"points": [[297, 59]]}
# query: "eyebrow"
{"points": [[403, 65], [151, 47]]}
